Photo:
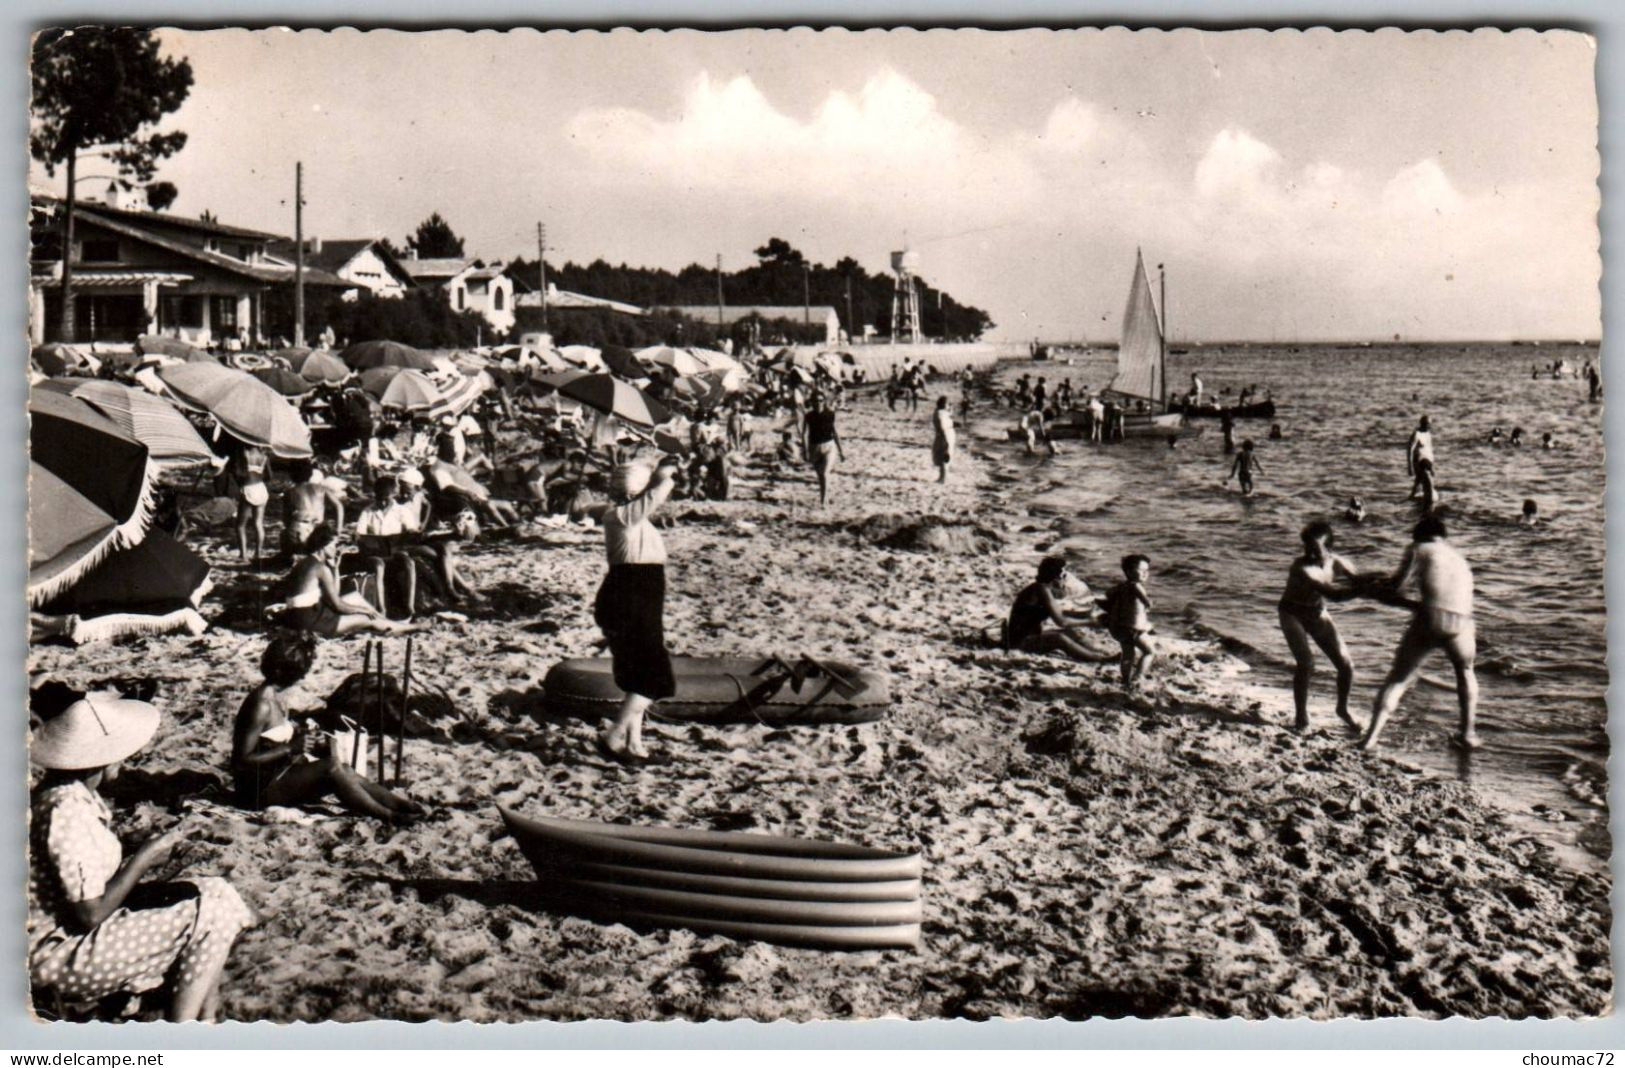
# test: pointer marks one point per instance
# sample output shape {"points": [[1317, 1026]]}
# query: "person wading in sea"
{"points": [[1313, 579], [1443, 620]]}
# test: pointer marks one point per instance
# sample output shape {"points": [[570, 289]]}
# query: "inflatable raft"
{"points": [[730, 690], [792, 891]]}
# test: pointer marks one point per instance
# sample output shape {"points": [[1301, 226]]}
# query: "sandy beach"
{"points": [[1087, 852]]}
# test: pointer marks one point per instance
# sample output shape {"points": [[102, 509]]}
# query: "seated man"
{"points": [[379, 534]]}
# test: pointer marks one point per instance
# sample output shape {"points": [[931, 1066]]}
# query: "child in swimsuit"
{"points": [[1244, 467], [1128, 617]]}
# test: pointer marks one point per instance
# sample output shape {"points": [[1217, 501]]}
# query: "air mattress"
{"points": [[729, 690]]}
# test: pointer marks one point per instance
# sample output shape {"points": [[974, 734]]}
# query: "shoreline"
{"points": [[1087, 852]]}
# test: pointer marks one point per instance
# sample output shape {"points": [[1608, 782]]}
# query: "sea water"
{"points": [[1219, 560]]}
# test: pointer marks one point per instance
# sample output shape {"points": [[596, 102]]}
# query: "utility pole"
{"points": [[849, 323], [719, 291], [299, 255], [541, 268]]}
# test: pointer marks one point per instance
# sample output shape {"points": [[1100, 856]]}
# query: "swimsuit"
{"points": [[1027, 617]]}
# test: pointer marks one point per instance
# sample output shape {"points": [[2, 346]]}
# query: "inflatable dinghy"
{"points": [[792, 891], [771, 691]]}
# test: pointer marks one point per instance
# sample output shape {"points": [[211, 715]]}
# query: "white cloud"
{"points": [[1422, 188], [1238, 165]]}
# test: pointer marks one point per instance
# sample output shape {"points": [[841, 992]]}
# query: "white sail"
{"points": [[1139, 355]]}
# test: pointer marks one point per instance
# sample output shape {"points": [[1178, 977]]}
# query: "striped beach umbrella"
{"points": [[322, 368], [411, 391], [458, 394], [610, 395], [155, 422]]}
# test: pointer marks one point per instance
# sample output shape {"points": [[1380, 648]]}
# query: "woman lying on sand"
{"points": [[94, 928], [267, 759], [313, 601], [1035, 604]]}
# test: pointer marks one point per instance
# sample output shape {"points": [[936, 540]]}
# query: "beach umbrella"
{"points": [[680, 361], [245, 407], [612, 396], [714, 360], [620, 361], [368, 354], [459, 394], [323, 368], [284, 381], [158, 575], [377, 379], [583, 356], [59, 359], [155, 345], [411, 391], [90, 490], [296, 355], [168, 435], [673, 436], [702, 391]]}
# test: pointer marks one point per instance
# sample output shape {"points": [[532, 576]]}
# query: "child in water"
{"points": [[1547, 441], [1128, 617], [1244, 467], [1531, 513], [1356, 511], [1516, 439]]}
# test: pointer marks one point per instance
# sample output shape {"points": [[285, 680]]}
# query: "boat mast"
{"points": [[1162, 346]]}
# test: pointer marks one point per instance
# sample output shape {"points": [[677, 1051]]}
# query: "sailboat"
{"points": [[1140, 387]]}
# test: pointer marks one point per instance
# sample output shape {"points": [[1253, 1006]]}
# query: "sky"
{"points": [[1296, 185]]}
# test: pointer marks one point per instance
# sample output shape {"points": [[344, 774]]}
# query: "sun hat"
{"points": [[93, 732], [412, 476]]}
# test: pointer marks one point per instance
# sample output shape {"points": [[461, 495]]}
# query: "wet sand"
{"points": [[1088, 853]]}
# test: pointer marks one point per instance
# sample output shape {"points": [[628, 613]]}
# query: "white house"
{"points": [[364, 261], [470, 285]]}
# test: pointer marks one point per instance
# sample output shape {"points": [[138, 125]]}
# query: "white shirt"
{"points": [[629, 537], [376, 522]]}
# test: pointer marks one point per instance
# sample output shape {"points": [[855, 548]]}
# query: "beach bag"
{"points": [[350, 745]]}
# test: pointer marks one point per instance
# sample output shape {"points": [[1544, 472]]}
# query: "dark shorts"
{"points": [[317, 619], [630, 610]]}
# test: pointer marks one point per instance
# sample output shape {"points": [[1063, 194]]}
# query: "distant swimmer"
{"points": [[1516, 440], [1244, 467], [1313, 578], [1547, 441], [1496, 437], [1417, 449], [1128, 617], [1355, 512], [1038, 603], [1443, 620], [1275, 432], [1531, 513]]}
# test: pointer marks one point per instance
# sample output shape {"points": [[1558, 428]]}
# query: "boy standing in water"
{"points": [[1244, 467], [1418, 449], [1128, 617], [1443, 620]]}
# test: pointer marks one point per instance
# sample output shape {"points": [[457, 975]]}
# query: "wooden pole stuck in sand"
{"points": [[366, 673], [378, 711], [400, 727]]}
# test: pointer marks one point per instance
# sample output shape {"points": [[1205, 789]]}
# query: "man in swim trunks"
{"points": [[1443, 620], [1313, 578], [306, 505]]}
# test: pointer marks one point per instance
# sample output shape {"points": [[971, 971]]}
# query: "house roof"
{"points": [[563, 298], [258, 272], [732, 313], [140, 218], [437, 268], [336, 253]]}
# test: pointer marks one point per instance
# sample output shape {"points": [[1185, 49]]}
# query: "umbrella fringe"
{"points": [[130, 532], [68, 578], [130, 625]]}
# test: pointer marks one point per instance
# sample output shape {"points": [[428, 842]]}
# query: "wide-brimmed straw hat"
{"points": [[93, 732]]}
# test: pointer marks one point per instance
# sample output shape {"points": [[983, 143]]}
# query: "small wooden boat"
{"points": [[1264, 409], [792, 891]]}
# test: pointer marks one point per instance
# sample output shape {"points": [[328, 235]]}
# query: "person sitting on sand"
{"points": [[822, 444], [449, 479], [1128, 616], [1442, 620], [95, 929], [1531, 513], [1355, 512], [306, 505], [1037, 603], [1244, 467], [631, 603], [1312, 579], [312, 599], [268, 762]]}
